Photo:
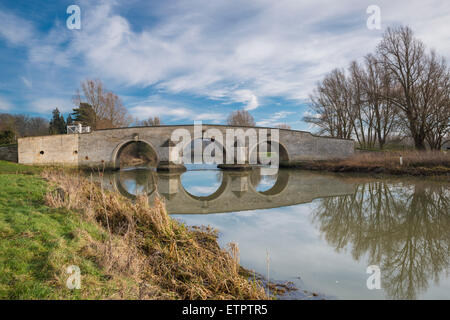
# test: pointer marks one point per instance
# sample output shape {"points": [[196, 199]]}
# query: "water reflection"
{"points": [[318, 227], [217, 192], [133, 182], [405, 229], [202, 183]]}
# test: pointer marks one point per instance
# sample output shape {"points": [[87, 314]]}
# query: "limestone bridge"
{"points": [[102, 148]]}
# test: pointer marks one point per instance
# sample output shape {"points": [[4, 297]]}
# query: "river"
{"points": [[320, 231]]}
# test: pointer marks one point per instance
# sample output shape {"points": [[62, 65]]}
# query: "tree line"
{"points": [[401, 89], [97, 108]]}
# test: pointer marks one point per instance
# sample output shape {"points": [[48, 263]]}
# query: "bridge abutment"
{"points": [[167, 166], [236, 167]]}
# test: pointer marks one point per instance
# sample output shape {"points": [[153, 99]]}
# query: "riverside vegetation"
{"points": [[415, 163], [53, 218]]}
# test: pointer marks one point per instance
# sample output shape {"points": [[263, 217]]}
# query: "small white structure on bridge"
{"points": [[78, 128]]}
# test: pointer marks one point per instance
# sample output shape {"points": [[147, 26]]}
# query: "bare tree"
{"points": [[23, 125], [150, 122], [438, 119], [331, 105], [362, 112], [351, 105], [418, 76], [241, 118], [108, 108], [377, 84], [401, 89], [37, 126], [283, 126]]}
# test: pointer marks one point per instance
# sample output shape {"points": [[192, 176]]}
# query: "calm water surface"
{"points": [[321, 230]]}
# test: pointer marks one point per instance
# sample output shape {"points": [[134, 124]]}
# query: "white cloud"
{"points": [[47, 105], [275, 119], [5, 105], [247, 98], [227, 50], [202, 190], [27, 82], [269, 49], [311, 126], [144, 112], [15, 29], [174, 113]]}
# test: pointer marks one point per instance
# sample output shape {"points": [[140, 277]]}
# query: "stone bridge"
{"points": [[102, 148], [237, 191]]}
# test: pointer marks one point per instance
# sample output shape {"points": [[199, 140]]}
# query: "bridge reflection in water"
{"points": [[401, 225], [261, 188]]}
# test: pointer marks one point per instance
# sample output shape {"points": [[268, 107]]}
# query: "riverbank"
{"points": [[51, 219], [413, 163]]}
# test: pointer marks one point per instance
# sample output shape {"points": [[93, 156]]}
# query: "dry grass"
{"points": [[168, 259], [413, 163], [392, 159]]}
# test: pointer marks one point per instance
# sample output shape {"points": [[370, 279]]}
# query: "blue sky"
{"points": [[195, 60]]}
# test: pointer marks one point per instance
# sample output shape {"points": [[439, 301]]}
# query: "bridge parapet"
{"points": [[102, 148]]}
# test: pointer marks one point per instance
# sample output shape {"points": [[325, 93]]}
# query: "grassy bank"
{"points": [[10, 167], [413, 163], [37, 243], [125, 250]]}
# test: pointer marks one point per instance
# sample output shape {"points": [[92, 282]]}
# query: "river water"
{"points": [[320, 231]]}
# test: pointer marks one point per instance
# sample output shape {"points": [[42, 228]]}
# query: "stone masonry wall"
{"points": [[101, 148], [49, 150]]}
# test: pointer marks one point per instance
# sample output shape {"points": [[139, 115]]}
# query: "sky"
{"points": [[195, 60]]}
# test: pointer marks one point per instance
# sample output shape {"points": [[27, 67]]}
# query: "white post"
{"points": [[174, 155], [241, 155]]}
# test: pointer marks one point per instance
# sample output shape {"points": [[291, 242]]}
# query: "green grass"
{"points": [[11, 167], [156, 258], [38, 243]]}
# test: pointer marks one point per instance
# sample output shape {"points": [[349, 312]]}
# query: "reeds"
{"points": [[391, 159], [167, 259], [417, 163]]}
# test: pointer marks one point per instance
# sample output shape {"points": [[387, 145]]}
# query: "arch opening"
{"points": [[274, 149], [269, 181], [204, 184], [208, 147], [136, 154], [131, 183]]}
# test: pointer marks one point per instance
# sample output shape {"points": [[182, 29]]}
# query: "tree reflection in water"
{"points": [[405, 229]]}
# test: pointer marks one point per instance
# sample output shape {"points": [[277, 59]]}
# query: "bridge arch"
{"points": [[115, 156], [283, 153], [124, 191], [281, 183], [191, 144], [215, 195]]}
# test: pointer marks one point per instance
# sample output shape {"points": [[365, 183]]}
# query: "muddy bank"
{"points": [[373, 169]]}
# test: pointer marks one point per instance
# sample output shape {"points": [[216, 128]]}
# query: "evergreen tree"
{"points": [[7, 137], [69, 120], [57, 124], [85, 115]]}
